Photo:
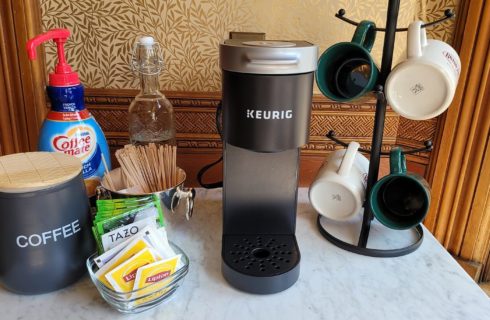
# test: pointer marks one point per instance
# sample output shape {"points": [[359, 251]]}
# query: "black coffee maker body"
{"points": [[267, 91]]}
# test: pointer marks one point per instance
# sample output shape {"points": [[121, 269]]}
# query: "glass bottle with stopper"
{"points": [[151, 115]]}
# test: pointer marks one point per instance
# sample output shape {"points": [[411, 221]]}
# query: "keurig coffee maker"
{"points": [[267, 90]]}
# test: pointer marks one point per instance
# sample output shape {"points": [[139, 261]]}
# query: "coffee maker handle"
{"points": [[416, 39], [102, 193], [274, 62], [348, 160]]}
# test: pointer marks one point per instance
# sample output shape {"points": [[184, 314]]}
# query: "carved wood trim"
{"points": [[196, 131]]}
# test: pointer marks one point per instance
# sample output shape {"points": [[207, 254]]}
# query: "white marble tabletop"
{"points": [[333, 284]]}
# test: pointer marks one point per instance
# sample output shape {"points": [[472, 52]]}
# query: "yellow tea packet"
{"points": [[150, 278], [122, 277], [133, 248]]}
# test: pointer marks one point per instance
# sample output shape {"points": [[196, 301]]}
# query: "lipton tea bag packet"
{"points": [[122, 277], [136, 246], [150, 278]]}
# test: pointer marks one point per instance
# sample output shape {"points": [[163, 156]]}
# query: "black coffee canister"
{"points": [[45, 234]]}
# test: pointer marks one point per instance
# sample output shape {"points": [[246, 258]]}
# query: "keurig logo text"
{"points": [[43, 238], [269, 115]]}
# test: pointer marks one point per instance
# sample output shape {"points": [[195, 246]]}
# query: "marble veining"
{"points": [[333, 284]]}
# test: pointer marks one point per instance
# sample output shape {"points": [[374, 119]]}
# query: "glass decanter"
{"points": [[151, 115]]}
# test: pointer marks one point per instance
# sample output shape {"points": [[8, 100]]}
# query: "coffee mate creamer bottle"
{"points": [[69, 127]]}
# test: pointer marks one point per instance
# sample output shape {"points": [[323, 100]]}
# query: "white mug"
{"points": [[423, 86], [339, 188]]}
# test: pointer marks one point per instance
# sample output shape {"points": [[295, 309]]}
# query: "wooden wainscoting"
{"points": [[460, 216], [199, 142], [22, 100]]}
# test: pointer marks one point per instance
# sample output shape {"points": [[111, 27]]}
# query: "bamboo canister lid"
{"points": [[23, 172]]}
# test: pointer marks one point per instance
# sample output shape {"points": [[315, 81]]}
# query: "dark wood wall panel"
{"points": [[199, 142]]}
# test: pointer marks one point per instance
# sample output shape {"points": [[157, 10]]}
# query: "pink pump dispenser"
{"points": [[63, 75]]}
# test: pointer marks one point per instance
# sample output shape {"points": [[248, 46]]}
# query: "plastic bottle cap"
{"points": [[147, 41]]}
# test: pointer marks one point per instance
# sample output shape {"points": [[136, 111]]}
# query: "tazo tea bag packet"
{"points": [[98, 242], [109, 254], [156, 238], [122, 277], [150, 278], [130, 216], [104, 226], [99, 228], [133, 248], [119, 235]]}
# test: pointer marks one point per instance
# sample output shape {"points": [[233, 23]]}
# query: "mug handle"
{"points": [[398, 163], [188, 194], [102, 193], [348, 160], [365, 34], [416, 39]]}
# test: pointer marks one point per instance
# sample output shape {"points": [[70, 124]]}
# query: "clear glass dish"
{"points": [[145, 298]]}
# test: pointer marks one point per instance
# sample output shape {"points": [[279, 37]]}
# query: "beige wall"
{"points": [[190, 31]]}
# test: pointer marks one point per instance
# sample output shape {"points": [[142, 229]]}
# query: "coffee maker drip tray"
{"points": [[260, 263]]}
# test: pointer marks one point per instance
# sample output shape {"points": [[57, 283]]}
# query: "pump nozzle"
{"points": [[63, 75]]}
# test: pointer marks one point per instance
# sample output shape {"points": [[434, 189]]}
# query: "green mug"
{"points": [[346, 70], [401, 199]]}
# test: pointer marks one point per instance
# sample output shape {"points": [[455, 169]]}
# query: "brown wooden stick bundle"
{"points": [[151, 167]]}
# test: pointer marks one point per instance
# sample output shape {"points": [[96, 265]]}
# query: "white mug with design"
{"points": [[339, 188], [423, 86]]}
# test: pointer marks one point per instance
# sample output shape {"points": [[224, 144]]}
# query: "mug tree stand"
{"points": [[375, 152]]}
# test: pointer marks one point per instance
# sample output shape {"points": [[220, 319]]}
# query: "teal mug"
{"points": [[401, 199], [346, 70]]}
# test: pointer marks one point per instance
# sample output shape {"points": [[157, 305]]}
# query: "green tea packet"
{"points": [[115, 203], [124, 219], [117, 206]]}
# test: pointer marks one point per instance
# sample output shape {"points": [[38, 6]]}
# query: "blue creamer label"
{"points": [[79, 141], [71, 129]]}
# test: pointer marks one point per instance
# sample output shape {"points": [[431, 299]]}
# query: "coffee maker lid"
{"points": [[31, 171], [268, 56]]}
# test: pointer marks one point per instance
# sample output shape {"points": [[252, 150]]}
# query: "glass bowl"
{"points": [[145, 298]]}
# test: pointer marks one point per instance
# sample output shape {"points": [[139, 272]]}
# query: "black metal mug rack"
{"points": [[375, 152]]}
